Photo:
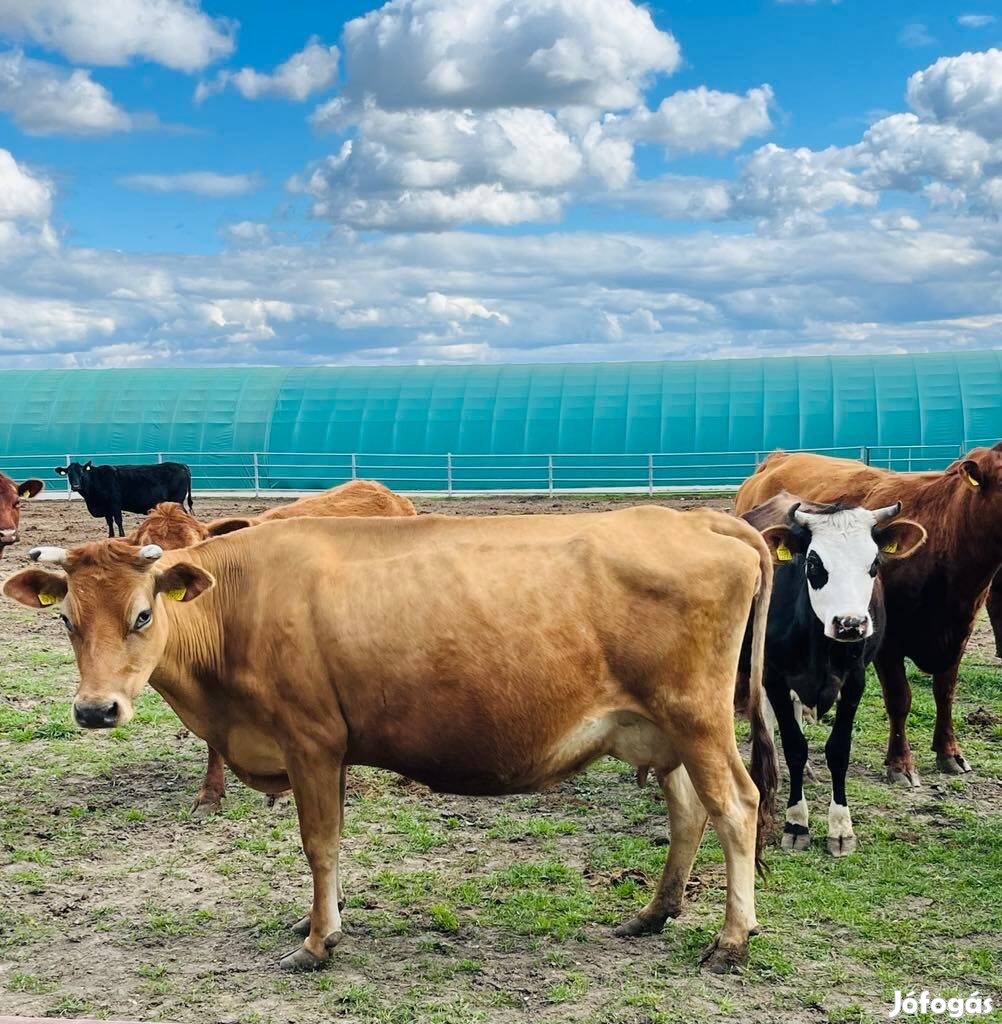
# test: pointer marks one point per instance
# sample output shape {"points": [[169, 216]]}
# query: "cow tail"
{"points": [[763, 752], [191, 506]]}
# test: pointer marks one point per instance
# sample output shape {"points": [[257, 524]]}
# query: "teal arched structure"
{"points": [[603, 424]]}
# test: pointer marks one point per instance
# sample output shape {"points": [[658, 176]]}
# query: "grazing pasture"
{"points": [[114, 900]]}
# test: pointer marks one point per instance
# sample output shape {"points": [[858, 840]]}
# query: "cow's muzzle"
{"points": [[849, 628], [8, 537], [96, 714]]}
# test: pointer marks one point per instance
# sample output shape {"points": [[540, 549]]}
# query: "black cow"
{"points": [[826, 621], [111, 490]]}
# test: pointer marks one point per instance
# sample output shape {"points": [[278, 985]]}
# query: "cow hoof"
{"points": [[953, 764], [639, 925], [906, 777], [302, 926], [301, 959], [796, 843], [720, 959], [841, 846], [206, 804]]}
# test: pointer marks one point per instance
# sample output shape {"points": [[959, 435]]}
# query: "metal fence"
{"points": [[263, 473]]}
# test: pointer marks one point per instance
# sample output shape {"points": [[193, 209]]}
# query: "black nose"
{"points": [[849, 627], [103, 715]]}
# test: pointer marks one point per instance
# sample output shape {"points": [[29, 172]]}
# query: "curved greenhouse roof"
{"points": [[737, 405]]}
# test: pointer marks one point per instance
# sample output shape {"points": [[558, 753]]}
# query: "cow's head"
{"points": [[169, 527], [979, 475], [111, 599], [839, 550], [77, 474], [11, 496]]}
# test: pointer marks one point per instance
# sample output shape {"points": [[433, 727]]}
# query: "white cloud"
{"points": [[23, 195], [43, 99], [916, 34], [175, 33], [313, 69], [965, 90], [976, 20], [701, 120], [439, 168], [506, 53], [203, 183], [246, 232]]}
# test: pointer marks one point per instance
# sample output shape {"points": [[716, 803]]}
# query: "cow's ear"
{"points": [[35, 588], [89, 465], [784, 542], [970, 473], [900, 538], [220, 527], [183, 582], [29, 488], [61, 470]]}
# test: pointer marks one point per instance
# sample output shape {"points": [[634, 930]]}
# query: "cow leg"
{"points": [[898, 701], [302, 926], [710, 755], [118, 523], [796, 835], [318, 790], [209, 798], [111, 525], [949, 759], [687, 818], [841, 838]]}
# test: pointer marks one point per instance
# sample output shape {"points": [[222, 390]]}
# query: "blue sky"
{"points": [[496, 180]]}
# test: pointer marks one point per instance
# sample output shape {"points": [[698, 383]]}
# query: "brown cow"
{"points": [[477, 655], [932, 598], [170, 527], [994, 605], [11, 495]]}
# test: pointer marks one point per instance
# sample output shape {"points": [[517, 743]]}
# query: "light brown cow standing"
{"points": [[476, 655], [11, 496], [170, 527], [932, 598]]}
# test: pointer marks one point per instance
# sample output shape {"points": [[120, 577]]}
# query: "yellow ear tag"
{"points": [[890, 547], [970, 479], [784, 554], [45, 599], [177, 594], [25, 494]]}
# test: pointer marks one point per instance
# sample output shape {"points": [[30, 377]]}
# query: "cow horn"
{"points": [[795, 516], [151, 552], [880, 514], [53, 556]]}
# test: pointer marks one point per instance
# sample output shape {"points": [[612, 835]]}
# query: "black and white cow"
{"points": [[826, 621], [111, 490]]}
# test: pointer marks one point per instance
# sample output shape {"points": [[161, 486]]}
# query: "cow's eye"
{"points": [[817, 574], [143, 619], [66, 622]]}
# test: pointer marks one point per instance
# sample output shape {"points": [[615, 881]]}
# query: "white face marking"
{"points": [[843, 544]]}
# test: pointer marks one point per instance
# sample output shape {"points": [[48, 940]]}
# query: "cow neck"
{"points": [[966, 528]]}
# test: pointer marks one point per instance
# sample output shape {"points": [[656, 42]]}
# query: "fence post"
{"points": [[69, 490], [160, 457], [549, 474], [448, 472], [354, 465], [650, 474], [257, 475], [864, 455]]}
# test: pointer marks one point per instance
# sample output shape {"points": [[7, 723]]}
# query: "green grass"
{"points": [[114, 901]]}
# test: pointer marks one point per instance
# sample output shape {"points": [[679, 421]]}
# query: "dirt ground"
{"points": [[116, 901]]}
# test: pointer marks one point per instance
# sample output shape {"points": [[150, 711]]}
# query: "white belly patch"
{"points": [[624, 735]]}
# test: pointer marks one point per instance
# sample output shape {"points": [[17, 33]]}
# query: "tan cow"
{"points": [[484, 655], [170, 527]]}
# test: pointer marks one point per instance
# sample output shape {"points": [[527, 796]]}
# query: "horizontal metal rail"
{"points": [[449, 473]]}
